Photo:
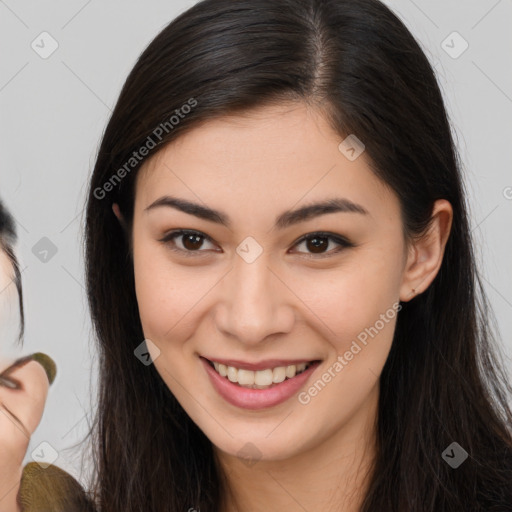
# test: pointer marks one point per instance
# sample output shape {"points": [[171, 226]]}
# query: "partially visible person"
{"points": [[24, 388], [10, 276]]}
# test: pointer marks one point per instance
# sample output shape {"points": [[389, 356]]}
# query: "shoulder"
{"points": [[51, 489]]}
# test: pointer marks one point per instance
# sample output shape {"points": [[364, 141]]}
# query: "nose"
{"points": [[255, 304]]}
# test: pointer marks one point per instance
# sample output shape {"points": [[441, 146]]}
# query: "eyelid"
{"points": [[342, 242]]}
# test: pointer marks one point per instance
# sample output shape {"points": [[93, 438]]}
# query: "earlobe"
{"points": [[117, 211], [426, 254], [118, 214]]}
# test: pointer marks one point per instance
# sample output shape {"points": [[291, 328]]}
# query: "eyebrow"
{"points": [[284, 220]]}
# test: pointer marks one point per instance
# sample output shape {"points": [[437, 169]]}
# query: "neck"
{"points": [[332, 475]]}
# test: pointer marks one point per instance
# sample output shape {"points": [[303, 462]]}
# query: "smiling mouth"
{"points": [[260, 379]]}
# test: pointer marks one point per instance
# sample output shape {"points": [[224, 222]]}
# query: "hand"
{"points": [[23, 391]]}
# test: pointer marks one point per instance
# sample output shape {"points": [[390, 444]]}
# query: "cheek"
{"points": [[168, 296], [160, 298], [355, 310], [355, 301]]}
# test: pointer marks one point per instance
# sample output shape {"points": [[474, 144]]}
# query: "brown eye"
{"points": [[186, 242], [317, 244], [191, 242]]}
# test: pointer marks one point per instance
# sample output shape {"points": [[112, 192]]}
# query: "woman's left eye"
{"points": [[317, 242], [192, 241]]}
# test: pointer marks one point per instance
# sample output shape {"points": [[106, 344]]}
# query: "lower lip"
{"points": [[248, 398]]}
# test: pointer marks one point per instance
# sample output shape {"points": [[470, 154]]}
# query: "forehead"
{"points": [[270, 157]]}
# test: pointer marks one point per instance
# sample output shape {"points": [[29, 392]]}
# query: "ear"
{"points": [[118, 214], [425, 255]]}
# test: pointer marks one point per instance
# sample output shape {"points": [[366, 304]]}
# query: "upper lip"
{"points": [[261, 365]]}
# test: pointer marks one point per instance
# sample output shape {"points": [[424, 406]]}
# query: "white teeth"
{"points": [[245, 377], [232, 374], [259, 379], [279, 374], [290, 371], [262, 377]]}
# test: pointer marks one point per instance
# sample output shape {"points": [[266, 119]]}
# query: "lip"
{"points": [[255, 399], [262, 365]]}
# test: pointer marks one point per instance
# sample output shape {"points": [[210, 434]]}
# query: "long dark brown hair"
{"points": [[444, 379]]}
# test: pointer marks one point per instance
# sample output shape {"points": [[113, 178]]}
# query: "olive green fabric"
{"points": [[51, 490]]}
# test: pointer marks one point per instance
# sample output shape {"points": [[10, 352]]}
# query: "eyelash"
{"points": [[168, 240]]}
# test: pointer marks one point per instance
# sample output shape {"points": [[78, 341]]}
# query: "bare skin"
{"points": [[309, 456], [21, 409]]}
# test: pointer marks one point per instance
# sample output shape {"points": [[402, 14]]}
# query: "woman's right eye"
{"points": [[190, 241]]}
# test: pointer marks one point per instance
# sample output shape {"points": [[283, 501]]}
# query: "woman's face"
{"points": [[5, 299], [9, 314], [253, 293]]}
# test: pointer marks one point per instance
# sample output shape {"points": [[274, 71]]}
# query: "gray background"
{"points": [[53, 112]]}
